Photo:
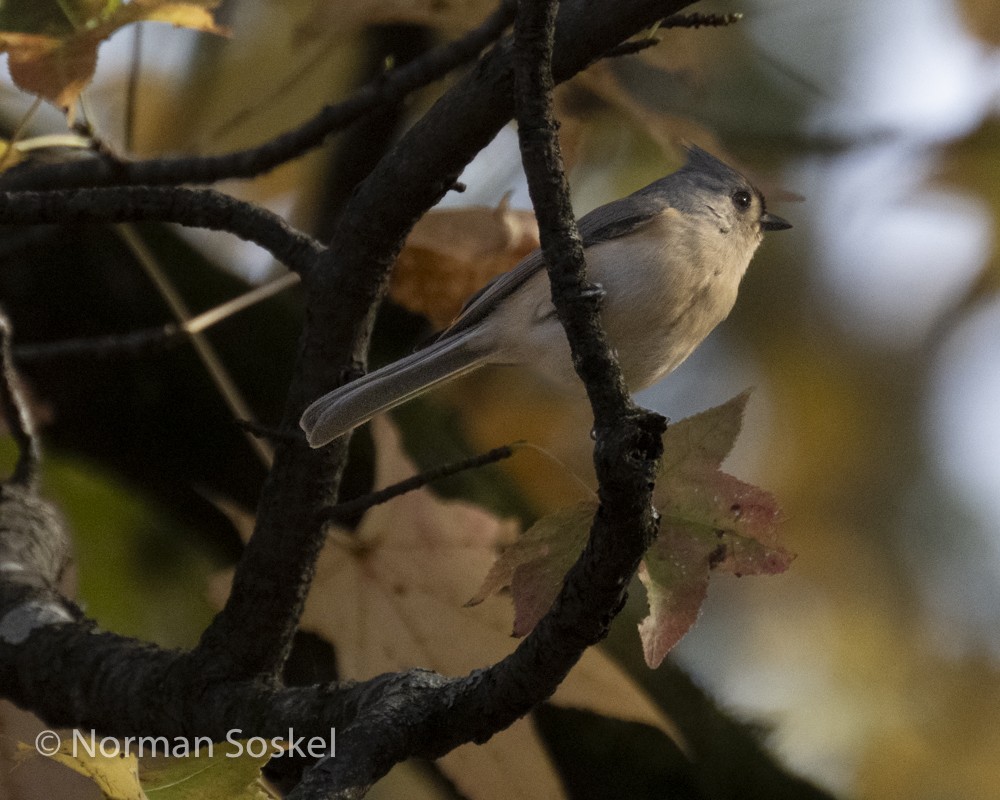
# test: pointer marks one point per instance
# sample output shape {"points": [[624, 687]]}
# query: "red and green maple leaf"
{"points": [[711, 521]]}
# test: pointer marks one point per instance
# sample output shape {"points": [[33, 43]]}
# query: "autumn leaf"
{"points": [[710, 521], [391, 596], [116, 775], [534, 566], [52, 47], [128, 769], [452, 253], [230, 769]]}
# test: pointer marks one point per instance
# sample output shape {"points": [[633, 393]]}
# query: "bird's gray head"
{"points": [[711, 190]]}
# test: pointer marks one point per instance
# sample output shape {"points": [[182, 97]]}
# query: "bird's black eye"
{"points": [[742, 199]]}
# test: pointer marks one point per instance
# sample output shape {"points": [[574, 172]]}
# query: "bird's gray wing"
{"points": [[618, 218], [600, 225]]}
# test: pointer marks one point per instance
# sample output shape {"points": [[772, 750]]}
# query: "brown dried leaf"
{"points": [[58, 67], [452, 253], [390, 597]]}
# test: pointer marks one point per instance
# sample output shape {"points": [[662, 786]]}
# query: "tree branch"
{"points": [[358, 505], [124, 687], [251, 162], [277, 565], [133, 344], [247, 643], [195, 208], [54, 661], [626, 457]]}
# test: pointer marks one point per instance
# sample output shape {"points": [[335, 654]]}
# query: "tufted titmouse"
{"points": [[668, 257]]}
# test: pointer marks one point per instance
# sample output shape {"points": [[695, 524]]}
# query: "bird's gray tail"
{"points": [[343, 409]]}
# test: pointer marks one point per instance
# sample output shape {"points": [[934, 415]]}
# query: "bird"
{"points": [[668, 260]]}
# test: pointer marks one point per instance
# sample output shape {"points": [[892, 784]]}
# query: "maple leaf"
{"points": [[534, 566], [391, 596], [52, 47], [710, 521]]}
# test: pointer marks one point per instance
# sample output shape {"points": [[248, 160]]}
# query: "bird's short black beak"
{"points": [[772, 222]]}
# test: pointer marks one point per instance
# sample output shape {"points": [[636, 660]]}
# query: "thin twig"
{"points": [[269, 433], [15, 411], [632, 47], [229, 391], [149, 340], [136, 343], [132, 90], [698, 20], [359, 504], [256, 295]]}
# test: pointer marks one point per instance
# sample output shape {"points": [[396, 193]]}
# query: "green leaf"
{"points": [[229, 770]]}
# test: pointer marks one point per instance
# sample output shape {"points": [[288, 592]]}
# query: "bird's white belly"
{"points": [[654, 318]]}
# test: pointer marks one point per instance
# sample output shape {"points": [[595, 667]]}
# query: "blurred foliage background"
{"points": [[870, 332]]}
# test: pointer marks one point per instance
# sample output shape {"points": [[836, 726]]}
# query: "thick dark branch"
{"points": [[386, 90], [54, 661], [123, 687], [273, 576], [433, 718], [34, 545], [195, 208]]}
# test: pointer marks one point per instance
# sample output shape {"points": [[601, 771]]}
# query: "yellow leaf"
{"points": [[116, 775], [228, 770], [196, 16]]}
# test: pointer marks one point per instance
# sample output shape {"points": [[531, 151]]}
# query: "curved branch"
{"points": [[196, 208], [626, 457], [123, 687], [254, 161], [277, 565]]}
